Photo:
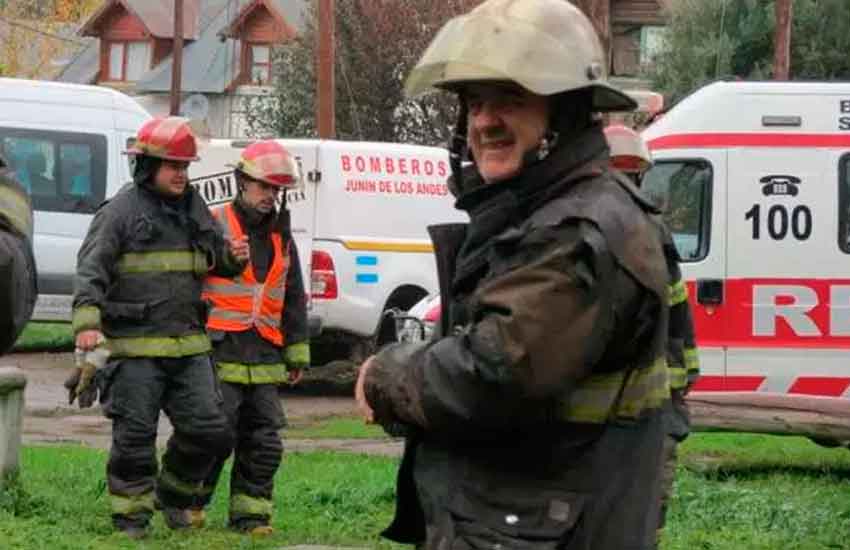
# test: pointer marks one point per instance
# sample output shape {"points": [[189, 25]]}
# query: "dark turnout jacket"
{"points": [[17, 266], [535, 420], [140, 272]]}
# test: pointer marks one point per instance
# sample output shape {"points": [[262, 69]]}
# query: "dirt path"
{"points": [[49, 419]]}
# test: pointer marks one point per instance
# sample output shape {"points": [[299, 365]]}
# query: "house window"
{"points": [[651, 43], [128, 61], [260, 63]]}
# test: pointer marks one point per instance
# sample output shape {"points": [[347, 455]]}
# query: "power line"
{"points": [[41, 32]]}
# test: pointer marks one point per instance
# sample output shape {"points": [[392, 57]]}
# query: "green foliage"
{"points": [[708, 40], [339, 427]]}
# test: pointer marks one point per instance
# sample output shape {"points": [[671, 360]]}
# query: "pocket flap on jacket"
{"points": [[127, 311], [547, 515]]}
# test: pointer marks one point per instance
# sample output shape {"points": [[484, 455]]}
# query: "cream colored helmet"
{"points": [[545, 46]]}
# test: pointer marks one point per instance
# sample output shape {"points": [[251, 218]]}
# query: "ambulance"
{"points": [[754, 182], [359, 219]]}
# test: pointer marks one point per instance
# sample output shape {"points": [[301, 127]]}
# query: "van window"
{"points": [[844, 203], [62, 171], [681, 189]]}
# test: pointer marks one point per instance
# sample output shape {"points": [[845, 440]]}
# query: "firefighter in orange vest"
{"points": [[630, 155], [258, 325]]}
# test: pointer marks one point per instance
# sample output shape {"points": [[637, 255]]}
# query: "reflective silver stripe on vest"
{"points": [[230, 315]]}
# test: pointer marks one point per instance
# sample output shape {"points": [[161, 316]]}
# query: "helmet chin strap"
{"points": [[547, 144], [458, 147]]}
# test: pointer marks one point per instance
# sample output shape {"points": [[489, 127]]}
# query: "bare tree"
{"points": [[377, 44]]}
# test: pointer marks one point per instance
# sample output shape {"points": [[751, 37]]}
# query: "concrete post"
{"points": [[12, 384]]}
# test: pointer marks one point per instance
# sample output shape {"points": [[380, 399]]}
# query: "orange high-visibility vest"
{"points": [[240, 303]]}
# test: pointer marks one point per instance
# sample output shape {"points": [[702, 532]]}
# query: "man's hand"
{"points": [[294, 376], [239, 248], [87, 340], [360, 393]]}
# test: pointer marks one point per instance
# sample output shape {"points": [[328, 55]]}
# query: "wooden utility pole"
{"points": [[782, 40], [599, 13], [325, 113], [177, 63]]}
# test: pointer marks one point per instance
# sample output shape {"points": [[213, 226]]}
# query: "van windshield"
{"points": [[682, 191]]}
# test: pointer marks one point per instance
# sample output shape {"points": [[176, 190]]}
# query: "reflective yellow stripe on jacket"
{"points": [[15, 207], [159, 346], [692, 363], [85, 318], [128, 505], [163, 261], [678, 293], [239, 373], [678, 378], [247, 505], [594, 400]]}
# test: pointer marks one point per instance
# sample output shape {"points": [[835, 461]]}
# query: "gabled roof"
{"points": [[84, 65], [209, 63], [232, 30], [156, 15]]}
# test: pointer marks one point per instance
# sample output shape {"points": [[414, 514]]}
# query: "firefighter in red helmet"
{"points": [[631, 156], [140, 273], [258, 326]]}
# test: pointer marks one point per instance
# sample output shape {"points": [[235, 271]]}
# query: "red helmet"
{"points": [[629, 152], [168, 138], [269, 162]]}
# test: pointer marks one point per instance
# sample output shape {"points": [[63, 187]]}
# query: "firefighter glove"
{"points": [[81, 384]]}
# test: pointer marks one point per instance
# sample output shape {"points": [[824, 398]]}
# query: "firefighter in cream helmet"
{"points": [[535, 419]]}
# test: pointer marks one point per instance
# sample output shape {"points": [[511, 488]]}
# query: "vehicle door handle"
{"points": [[710, 292]]}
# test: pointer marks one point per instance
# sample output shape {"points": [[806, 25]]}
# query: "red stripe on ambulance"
{"points": [[776, 313], [820, 385], [695, 141], [729, 383]]}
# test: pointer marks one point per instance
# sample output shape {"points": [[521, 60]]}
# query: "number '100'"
{"points": [[779, 222]]}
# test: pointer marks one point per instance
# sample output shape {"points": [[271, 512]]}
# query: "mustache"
{"points": [[495, 135]]}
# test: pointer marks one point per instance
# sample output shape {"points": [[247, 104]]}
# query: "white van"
{"points": [[64, 143], [754, 179], [360, 222]]}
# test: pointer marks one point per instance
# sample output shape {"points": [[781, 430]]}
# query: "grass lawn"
{"points": [[335, 427], [760, 492], [45, 337], [733, 492], [61, 504]]}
